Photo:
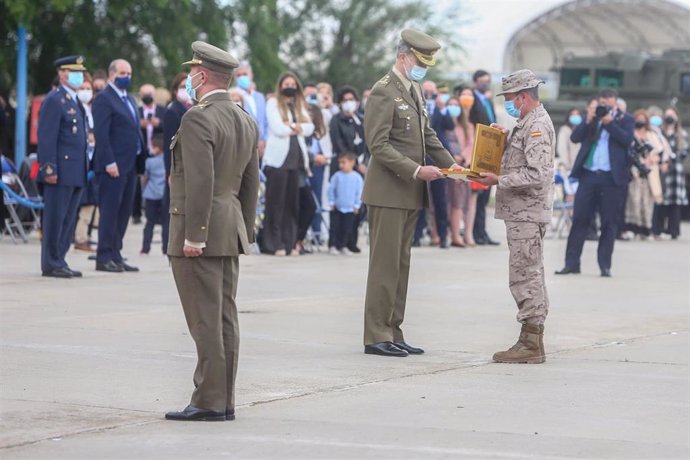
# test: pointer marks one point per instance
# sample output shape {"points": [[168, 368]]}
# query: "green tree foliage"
{"points": [[154, 35], [339, 41]]}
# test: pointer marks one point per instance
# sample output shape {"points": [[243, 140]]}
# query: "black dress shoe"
{"points": [[443, 245], [229, 414], [416, 243], [75, 273], [62, 272], [128, 268], [481, 241], [409, 348], [384, 349], [194, 414], [568, 271], [491, 242], [109, 266], [606, 272], [354, 249]]}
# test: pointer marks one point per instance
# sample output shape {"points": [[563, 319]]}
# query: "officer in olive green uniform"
{"points": [[524, 200], [399, 136], [213, 193]]}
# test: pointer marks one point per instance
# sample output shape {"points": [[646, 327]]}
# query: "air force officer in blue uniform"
{"points": [[62, 142], [118, 143]]}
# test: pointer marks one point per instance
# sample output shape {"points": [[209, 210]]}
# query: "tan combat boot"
{"points": [[529, 349]]}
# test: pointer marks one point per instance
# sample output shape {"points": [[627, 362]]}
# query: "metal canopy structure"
{"points": [[597, 27]]}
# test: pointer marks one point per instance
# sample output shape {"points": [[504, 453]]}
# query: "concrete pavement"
{"points": [[89, 366]]}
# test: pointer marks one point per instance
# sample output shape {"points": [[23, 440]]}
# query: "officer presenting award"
{"points": [[486, 154]]}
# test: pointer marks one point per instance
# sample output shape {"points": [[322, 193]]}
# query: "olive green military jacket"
{"points": [[214, 178], [399, 135], [525, 186]]}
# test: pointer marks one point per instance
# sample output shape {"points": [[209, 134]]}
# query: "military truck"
{"points": [[642, 80]]}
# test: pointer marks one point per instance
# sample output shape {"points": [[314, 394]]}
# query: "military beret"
{"points": [[212, 58], [518, 81], [422, 45], [75, 62]]}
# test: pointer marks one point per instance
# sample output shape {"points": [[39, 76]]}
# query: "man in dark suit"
{"points": [[119, 142], [483, 111], [603, 169], [440, 122], [62, 141], [151, 122]]}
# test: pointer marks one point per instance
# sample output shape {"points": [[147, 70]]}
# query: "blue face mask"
{"points": [[416, 73], [574, 120], [75, 79], [454, 111], [655, 120], [123, 82], [445, 98], [244, 82], [191, 90], [511, 109]]}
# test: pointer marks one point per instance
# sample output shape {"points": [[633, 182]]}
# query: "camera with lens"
{"points": [[601, 111], [637, 153]]}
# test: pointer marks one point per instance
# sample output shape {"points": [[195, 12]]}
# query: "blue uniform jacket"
{"points": [[117, 132], [62, 139]]}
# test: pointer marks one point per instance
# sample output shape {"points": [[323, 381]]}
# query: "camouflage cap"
{"points": [[422, 45], [213, 58], [518, 81]]}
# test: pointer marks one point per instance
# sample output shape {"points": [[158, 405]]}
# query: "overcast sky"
{"points": [[495, 21]]}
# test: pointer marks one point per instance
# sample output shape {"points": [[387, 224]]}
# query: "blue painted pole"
{"points": [[20, 123]]}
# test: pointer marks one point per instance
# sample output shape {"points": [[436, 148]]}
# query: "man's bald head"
{"points": [[147, 89], [429, 86], [119, 68]]}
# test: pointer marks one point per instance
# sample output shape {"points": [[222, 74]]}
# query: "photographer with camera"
{"points": [[603, 169], [647, 151]]}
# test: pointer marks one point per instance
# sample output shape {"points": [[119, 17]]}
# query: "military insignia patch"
{"points": [[403, 107], [398, 99], [71, 111], [535, 134]]}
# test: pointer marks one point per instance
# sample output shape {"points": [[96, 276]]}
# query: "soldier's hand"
{"points": [[429, 173], [113, 171], [499, 127], [487, 179], [190, 251], [52, 179]]}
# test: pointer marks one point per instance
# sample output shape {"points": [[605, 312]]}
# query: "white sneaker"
{"points": [[334, 251], [346, 252]]}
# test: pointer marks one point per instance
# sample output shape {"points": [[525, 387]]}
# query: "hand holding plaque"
{"points": [[486, 155]]}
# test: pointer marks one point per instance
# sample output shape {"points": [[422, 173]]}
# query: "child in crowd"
{"points": [[154, 190], [345, 198]]}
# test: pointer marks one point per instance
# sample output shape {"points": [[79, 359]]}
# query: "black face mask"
{"points": [[147, 100], [670, 120], [289, 92], [640, 124]]}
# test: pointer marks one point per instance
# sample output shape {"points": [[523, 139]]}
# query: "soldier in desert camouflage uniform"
{"points": [[524, 200]]}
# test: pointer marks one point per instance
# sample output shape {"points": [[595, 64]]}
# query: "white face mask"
{"points": [[182, 95], [349, 106], [85, 95]]}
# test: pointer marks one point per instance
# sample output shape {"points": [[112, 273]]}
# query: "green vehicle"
{"points": [[640, 79]]}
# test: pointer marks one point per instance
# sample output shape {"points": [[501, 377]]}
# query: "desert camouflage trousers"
{"points": [[526, 270]]}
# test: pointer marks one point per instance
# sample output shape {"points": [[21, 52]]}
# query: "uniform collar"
{"points": [[70, 91], [403, 79], [215, 91], [536, 111]]}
